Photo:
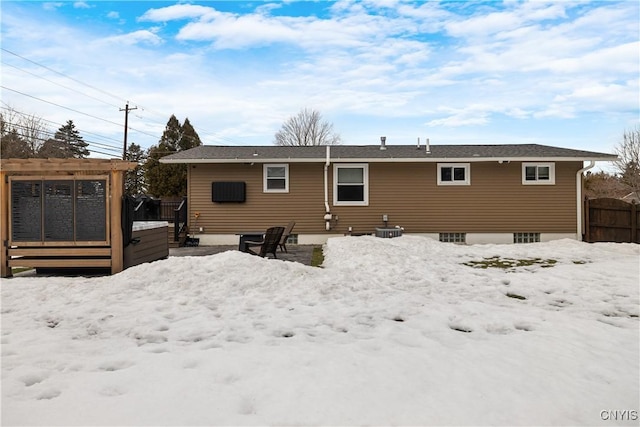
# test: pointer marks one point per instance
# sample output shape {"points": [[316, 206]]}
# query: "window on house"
{"points": [[453, 237], [526, 237], [454, 174], [293, 239], [351, 184], [538, 173], [276, 178]]}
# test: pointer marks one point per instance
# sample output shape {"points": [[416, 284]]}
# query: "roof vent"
{"points": [[383, 140]]}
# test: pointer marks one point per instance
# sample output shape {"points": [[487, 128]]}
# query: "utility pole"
{"points": [[126, 126]]}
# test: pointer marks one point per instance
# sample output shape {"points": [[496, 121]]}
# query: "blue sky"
{"points": [[561, 73]]}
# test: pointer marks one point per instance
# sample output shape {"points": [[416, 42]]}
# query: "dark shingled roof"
{"points": [[259, 153]]}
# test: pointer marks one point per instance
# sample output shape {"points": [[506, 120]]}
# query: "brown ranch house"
{"points": [[454, 193]]}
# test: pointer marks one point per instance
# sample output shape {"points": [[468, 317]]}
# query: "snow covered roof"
{"points": [[377, 153]]}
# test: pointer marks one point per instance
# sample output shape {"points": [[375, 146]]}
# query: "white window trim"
{"points": [[265, 167], [365, 168], [552, 173], [467, 173]]}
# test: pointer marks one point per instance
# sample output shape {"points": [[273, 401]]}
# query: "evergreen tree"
{"points": [[170, 180], [72, 141], [134, 179], [11, 144], [189, 137]]}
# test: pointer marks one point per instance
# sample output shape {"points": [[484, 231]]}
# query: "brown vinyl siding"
{"points": [[495, 202], [304, 202]]}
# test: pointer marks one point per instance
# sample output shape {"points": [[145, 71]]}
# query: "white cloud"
{"points": [[472, 115], [266, 8], [233, 31], [176, 12], [81, 5], [136, 37], [113, 15], [598, 97], [486, 24], [52, 5], [615, 60]]}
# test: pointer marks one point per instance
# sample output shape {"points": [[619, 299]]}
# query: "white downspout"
{"points": [[579, 202], [327, 215]]}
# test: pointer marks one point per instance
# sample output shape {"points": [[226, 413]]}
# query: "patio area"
{"points": [[296, 253]]}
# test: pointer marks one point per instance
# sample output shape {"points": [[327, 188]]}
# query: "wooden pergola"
{"points": [[61, 213]]}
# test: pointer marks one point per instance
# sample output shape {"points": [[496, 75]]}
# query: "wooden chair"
{"points": [[268, 244], [285, 236]]}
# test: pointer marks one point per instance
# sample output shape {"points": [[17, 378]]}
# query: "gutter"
{"points": [[327, 210], [384, 159], [579, 203]]}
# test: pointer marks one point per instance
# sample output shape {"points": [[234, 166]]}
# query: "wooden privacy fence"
{"points": [[611, 220]]}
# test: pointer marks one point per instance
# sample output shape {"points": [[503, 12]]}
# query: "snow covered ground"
{"points": [[390, 332]]}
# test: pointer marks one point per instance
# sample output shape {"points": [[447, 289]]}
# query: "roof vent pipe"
{"points": [[427, 146], [383, 140], [418, 146]]}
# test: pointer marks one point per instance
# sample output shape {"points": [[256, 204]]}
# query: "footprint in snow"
{"points": [[112, 391], [51, 393], [498, 329], [242, 339], [32, 379], [523, 326], [460, 327], [115, 365]]}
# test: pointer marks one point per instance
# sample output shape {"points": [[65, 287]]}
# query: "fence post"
{"points": [[634, 223], [5, 217], [115, 221], [176, 225], [587, 227]]}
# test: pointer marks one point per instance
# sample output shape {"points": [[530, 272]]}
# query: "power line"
{"points": [[10, 109], [75, 111], [202, 131], [58, 84], [51, 135], [61, 74]]}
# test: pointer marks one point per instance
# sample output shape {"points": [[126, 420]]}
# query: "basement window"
{"points": [[538, 173], [276, 178], [293, 239], [454, 174], [526, 237], [453, 237]]}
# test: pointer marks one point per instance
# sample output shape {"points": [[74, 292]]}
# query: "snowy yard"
{"points": [[400, 331]]}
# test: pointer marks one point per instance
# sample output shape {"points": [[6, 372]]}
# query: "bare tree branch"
{"points": [[306, 128], [628, 163]]}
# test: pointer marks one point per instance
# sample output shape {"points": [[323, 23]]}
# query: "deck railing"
{"points": [[179, 220]]}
